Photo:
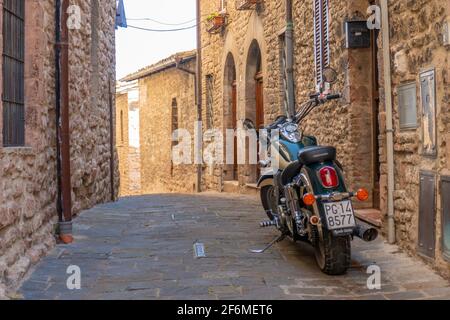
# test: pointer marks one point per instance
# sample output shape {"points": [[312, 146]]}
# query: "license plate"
{"points": [[339, 215]]}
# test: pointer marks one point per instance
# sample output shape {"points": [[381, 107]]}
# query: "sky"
{"points": [[137, 48]]}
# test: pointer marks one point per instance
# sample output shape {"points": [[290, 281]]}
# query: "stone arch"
{"points": [[254, 36]]}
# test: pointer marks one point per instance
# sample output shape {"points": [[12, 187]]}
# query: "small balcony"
{"points": [[248, 4]]}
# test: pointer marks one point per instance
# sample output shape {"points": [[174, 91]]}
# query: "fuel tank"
{"points": [[288, 151]]}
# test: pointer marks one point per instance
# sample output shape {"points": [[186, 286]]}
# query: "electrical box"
{"points": [[357, 34]]}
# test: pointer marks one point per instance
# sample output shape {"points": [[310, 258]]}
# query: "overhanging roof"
{"points": [[170, 62]]}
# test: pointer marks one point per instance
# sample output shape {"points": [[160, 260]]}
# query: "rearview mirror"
{"points": [[248, 124], [330, 75]]}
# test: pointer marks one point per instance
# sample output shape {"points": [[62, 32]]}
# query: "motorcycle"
{"points": [[305, 196]]}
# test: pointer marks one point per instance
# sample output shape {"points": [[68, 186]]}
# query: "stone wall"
{"points": [[340, 124], [416, 46], [28, 174], [156, 94]]}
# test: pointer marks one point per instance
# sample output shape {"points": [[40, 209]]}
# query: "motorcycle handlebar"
{"points": [[333, 96]]}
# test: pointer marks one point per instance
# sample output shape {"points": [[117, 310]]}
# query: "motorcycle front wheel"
{"points": [[333, 254]]}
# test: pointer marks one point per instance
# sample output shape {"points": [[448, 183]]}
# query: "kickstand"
{"points": [[276, 240]]}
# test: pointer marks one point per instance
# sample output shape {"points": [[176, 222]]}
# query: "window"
{"points": [[13, 97], [321, 38], [121, 126], [209, 101], [407, 105]]}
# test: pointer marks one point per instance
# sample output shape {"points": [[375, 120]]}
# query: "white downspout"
{"points": [[389, 125]]}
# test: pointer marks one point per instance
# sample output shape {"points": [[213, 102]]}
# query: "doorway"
{"points": [[375, 122], [254, 102], [231, 171]]}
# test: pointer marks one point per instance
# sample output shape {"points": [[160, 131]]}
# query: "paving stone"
{"points": [[133, 249]]}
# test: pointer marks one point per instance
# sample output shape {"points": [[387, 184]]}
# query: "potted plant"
{"points": [[216, 19]]}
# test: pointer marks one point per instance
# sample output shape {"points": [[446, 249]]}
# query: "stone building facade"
{"points": [[28, 173], [166, 103], [241, 71]]}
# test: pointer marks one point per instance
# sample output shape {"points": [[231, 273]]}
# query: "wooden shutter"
{"points": [[321, 38], [13, 73]]}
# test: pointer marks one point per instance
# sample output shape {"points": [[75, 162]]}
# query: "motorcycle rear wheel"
{"points": [[269, 200], [333, 254]]}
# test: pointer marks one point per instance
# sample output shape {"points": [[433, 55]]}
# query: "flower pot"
{"points": [[218, 21]]}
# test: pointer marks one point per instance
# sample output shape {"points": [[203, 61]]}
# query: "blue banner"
{"points": [[121, 19]]}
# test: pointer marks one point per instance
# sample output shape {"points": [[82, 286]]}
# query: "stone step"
{"points": [[371, 216], [231, 187], [251, 189]]}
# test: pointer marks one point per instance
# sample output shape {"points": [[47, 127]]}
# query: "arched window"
{"points": [[13, 96]]}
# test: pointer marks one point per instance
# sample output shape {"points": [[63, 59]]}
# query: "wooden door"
{"points": [[259, 101], [259, 111], [234, 123]]}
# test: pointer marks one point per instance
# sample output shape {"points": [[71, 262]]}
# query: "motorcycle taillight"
{"points": [[329, 177]]}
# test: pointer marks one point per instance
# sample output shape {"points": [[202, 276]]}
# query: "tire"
{"points": [[333, 254], [268, 200]]}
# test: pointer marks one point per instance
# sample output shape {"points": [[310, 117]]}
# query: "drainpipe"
{"points": [[389, 125], [199, 87], [64, 198], [289, 38]]}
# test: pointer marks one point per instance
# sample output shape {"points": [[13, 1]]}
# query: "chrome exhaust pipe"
{"points": [[365, 232]]}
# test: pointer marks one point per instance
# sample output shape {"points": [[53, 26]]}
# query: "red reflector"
{"points": [[329, 177]]}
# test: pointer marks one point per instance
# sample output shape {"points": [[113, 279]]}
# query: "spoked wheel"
{"points": [[333, 254], [269, 200]]}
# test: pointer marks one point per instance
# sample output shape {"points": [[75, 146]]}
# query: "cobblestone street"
{"points": [[142, 248]]}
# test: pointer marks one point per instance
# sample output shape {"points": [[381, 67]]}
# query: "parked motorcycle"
{"points": [[305, 196]]}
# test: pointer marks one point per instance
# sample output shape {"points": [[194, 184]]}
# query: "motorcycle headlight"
{"points": [[290, 132]]}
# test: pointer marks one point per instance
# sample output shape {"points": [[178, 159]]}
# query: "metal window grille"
{"points": [[321, 38], [174, 116], [13, 96], [209, 101]]}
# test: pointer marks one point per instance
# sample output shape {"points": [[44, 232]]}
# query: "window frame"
{"points": [[13, 65]]}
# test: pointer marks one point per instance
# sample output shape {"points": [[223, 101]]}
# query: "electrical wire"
{"points": [[161, 30], [160, 22]]}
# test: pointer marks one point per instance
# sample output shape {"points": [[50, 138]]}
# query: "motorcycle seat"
{"points": [[317, 154]]}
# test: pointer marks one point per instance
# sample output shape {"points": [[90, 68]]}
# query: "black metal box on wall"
{"points": [[427, 214], [445, 204], [357, 34]]}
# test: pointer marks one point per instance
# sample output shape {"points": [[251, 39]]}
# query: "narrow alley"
{"points": [[142, 248]]}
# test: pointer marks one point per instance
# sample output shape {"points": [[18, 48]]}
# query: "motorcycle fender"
{"points": [[266, 180]]}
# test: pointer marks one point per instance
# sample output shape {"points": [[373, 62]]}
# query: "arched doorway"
{"points": [[254, 97], [230, 114]]}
